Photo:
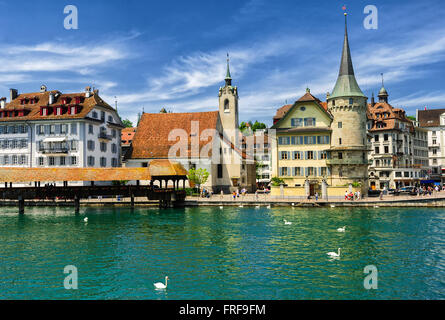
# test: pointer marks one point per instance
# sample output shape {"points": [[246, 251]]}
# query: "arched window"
{"points": [[226, 105]]}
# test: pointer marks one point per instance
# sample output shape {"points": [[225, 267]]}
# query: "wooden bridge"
{"points": [[43, 183]]}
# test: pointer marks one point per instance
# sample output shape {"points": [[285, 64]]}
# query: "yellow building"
{"points": [[301, 146], [320, 147]]}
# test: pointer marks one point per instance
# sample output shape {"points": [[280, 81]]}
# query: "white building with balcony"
{"points": [[52, 129]]}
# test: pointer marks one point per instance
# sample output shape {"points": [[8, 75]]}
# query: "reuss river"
{"points": [[229, 253]]}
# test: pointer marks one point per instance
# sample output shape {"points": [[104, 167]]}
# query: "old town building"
{"points": [[208, 140], [321, 147], [55, 129], [433, 120], [398, 155]]}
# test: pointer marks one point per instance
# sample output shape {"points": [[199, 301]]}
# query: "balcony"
{"points": [[346, 162], [104, 136], [61, 150]]}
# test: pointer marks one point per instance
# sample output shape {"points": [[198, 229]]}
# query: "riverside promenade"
{"points": [[437, 199]]}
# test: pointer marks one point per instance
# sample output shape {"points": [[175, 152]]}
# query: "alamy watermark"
{"points": [[371, 280], [371, 20], [71, 21], [71, 280]]}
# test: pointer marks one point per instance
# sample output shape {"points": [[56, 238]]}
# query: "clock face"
{"points": [[303, 108]]}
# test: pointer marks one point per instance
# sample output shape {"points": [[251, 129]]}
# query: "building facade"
{"points": [[398, 155], [209, 140], [321, 147], [433, 121], [52, 129]]}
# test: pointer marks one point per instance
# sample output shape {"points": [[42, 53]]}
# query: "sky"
{"points": [[172, 54]]}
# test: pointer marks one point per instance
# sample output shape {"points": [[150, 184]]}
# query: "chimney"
{"points": [[13, 94], [51, 98], [372, 100], [88, 92], [2, 102], [328, 95]]}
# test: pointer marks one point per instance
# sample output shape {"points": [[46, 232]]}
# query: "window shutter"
{"points": [[329, 171], [306, 171], [305, 155], [288, 155]]}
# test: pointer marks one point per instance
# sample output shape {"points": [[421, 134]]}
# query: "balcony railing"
{"points": [[103, 135], [54, 150], [345, 161]]}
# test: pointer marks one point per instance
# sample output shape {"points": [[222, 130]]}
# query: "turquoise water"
{"points": [[233, 253]]}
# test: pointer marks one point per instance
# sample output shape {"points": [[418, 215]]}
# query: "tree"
{"points": [[412, 118], [277, 181], [258, 125], [198, 176], [127, 123]]}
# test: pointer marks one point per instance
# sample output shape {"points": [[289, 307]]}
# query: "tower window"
{"points": [[339, 140], [340, 125], [351, 101], [333, 102], [340, 155], [226, 105]]}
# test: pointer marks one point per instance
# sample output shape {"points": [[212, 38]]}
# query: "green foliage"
{"points": [[258, 125], [276, 181], [127, 123], [412, 118], [198, 176]]}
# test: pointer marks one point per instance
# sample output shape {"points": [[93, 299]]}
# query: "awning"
{"points": [[54, 139], [427, 181]]}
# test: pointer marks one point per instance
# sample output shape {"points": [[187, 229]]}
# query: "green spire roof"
{"points": [[346, 85], [228, 69]]}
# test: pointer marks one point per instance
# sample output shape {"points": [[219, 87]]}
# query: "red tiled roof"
{"points": [[151, 137], [127, 135], [33, 110], [430, 118], [377, 114]]}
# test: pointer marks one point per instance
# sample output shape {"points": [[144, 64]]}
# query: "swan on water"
{"points": [[221, 207], [334, 254], [85, 219], [287, 222], [268, 206], [293, 203], [376, 206], [332, 205], [257, 207], [341, 229], [160, 285], [240, 206]]}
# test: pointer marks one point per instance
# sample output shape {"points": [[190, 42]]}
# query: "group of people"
{"points": [[352, 196], [236, 194]]}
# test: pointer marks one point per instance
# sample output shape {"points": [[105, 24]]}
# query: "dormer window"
{"points": [[64, 100], [73, 110], [58, 111], [94, 115], [22, 101], [44, 111]]}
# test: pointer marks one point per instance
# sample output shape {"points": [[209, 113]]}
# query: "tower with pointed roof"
{"points": [[348, 106], [228, 103]]}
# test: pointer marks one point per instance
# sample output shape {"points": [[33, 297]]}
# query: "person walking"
{"points": [[222, 194], [316, 196]]}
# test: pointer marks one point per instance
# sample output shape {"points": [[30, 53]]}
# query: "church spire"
{"points": [[346, 85], [228, 77]]}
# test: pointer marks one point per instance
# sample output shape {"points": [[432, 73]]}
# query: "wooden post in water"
{"points": [[76, 204], [132, 200], [21, 205]]}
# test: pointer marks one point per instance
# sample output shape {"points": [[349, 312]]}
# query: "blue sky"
{"points": [[154, 54]]}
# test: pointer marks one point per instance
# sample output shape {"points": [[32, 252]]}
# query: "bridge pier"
{"points": [[76, 204], [21, 205]]}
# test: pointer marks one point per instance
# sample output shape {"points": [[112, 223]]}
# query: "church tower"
{"points": [[228, 104], [348, 106]]}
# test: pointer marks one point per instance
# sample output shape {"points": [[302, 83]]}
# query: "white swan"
{"points": [[287, 222], [221, 207], [86, 219], [376, 206], [240, 206], [293, 203], [334, 254], [332, 205], [160, 285], [341, 229], [268, 206], [257, 207]]}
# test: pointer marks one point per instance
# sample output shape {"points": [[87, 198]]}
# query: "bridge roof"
{"points": [[157, 168], [73, 174]]}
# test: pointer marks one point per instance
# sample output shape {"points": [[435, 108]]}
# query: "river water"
{"points": [[229, 253]]}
